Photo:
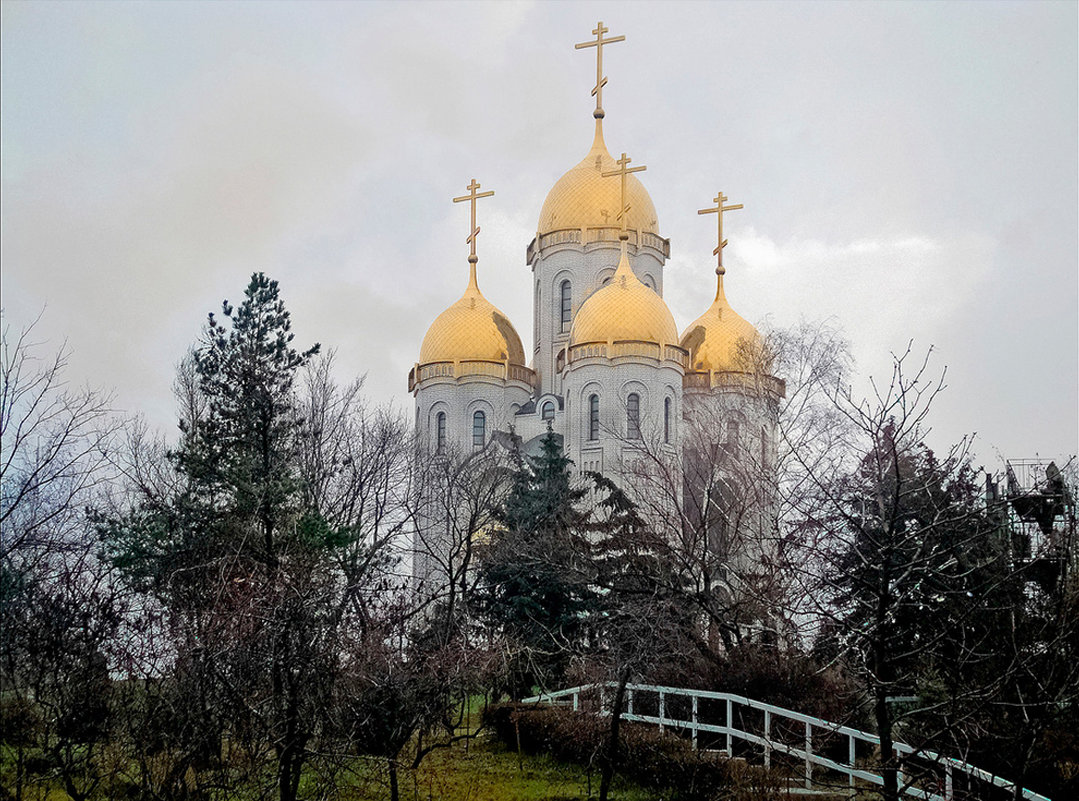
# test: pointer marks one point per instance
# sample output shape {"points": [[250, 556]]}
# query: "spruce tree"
{"points": [[537, 569]]}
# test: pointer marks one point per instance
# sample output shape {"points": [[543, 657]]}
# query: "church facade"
{"points": [[609, 371]]}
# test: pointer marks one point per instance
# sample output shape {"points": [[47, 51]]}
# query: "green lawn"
{"points": [[486, 772], [489, 772]]}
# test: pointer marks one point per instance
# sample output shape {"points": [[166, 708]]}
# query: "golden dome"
{"points": [[625, 309], [713, 338], [472, 328], [583, 198]]}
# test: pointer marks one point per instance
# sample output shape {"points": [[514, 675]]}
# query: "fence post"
{"points": [[576, 701], [809, 755], [661, 710], [767, 739], [947, 781], [602, 699], [730, 725], [694, 723], [899, 769], [850, 775], [629, 704]]}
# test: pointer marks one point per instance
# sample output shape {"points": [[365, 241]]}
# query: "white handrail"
{"points": [[695, 726]]}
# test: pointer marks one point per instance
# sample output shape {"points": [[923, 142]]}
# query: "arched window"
{"points": [[536, 311], [666, 419], [732, 434], [764, 449], [547, 412], [479, 430], [649, 282], [567, 306], [593, 417], [633, 416], [440, 433]]}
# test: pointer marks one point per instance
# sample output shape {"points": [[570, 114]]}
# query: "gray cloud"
{"points": [[910, 169]]}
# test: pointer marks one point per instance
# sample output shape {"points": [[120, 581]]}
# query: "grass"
{"points": [[489, 772], [486, 771]]}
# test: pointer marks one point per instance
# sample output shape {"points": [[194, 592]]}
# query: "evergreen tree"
{"points": [[244, 570], [907, 578], [642, 617], [244, 450], [537, 570], [1003, 685]]}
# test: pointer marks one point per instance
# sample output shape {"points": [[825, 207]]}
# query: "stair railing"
{"points": [[804, 752]]}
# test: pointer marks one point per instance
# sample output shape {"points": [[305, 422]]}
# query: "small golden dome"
{"points": [[624, 310], [713, 338], [583, 198], [472, 328]]}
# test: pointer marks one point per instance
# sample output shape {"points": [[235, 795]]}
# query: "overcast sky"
{"points": [[908, 169]]}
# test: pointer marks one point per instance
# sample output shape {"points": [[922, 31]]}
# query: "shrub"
{"points": [[20, 722], [654, 759], [789, 679]]}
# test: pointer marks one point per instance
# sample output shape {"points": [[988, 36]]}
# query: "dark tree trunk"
{"points": [[889, 768], [284, 777], [883, 671], [610, 755], [394, 793]]}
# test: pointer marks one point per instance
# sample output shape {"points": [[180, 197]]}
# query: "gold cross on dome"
{"points": [[601, 80], [473, 196], [623, 169], [718, 211]]}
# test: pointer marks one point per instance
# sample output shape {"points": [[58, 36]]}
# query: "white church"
{"points": [[609, 372]]}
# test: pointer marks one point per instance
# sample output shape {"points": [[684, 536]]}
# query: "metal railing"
{"points": [[811, 726]]}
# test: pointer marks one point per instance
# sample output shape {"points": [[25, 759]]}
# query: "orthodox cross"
{"points": [[472, 197], [623, 169], [601, 81], [718, 211]]}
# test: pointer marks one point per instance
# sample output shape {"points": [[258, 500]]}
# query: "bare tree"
{"points": [[59, 609], [456, 511], [55, 444], [722, 498], [360, 476], [815, 362], [890, 549]]}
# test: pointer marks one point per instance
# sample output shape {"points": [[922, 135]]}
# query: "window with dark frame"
{"points": [[479, 430], [633, 416], [593, 417], [536, 313], [548, 411], [440, 433], [567, 306], [666, 419]]}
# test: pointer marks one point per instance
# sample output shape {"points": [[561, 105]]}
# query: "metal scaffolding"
{"points": [[1038, 506]]}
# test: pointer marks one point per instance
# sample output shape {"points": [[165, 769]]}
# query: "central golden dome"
{"points": [[583, 198], [624, 310], [472, 329], [713, 339]]}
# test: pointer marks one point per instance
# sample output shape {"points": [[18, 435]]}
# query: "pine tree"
{"points": [[242, 567], [244, 451]]}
